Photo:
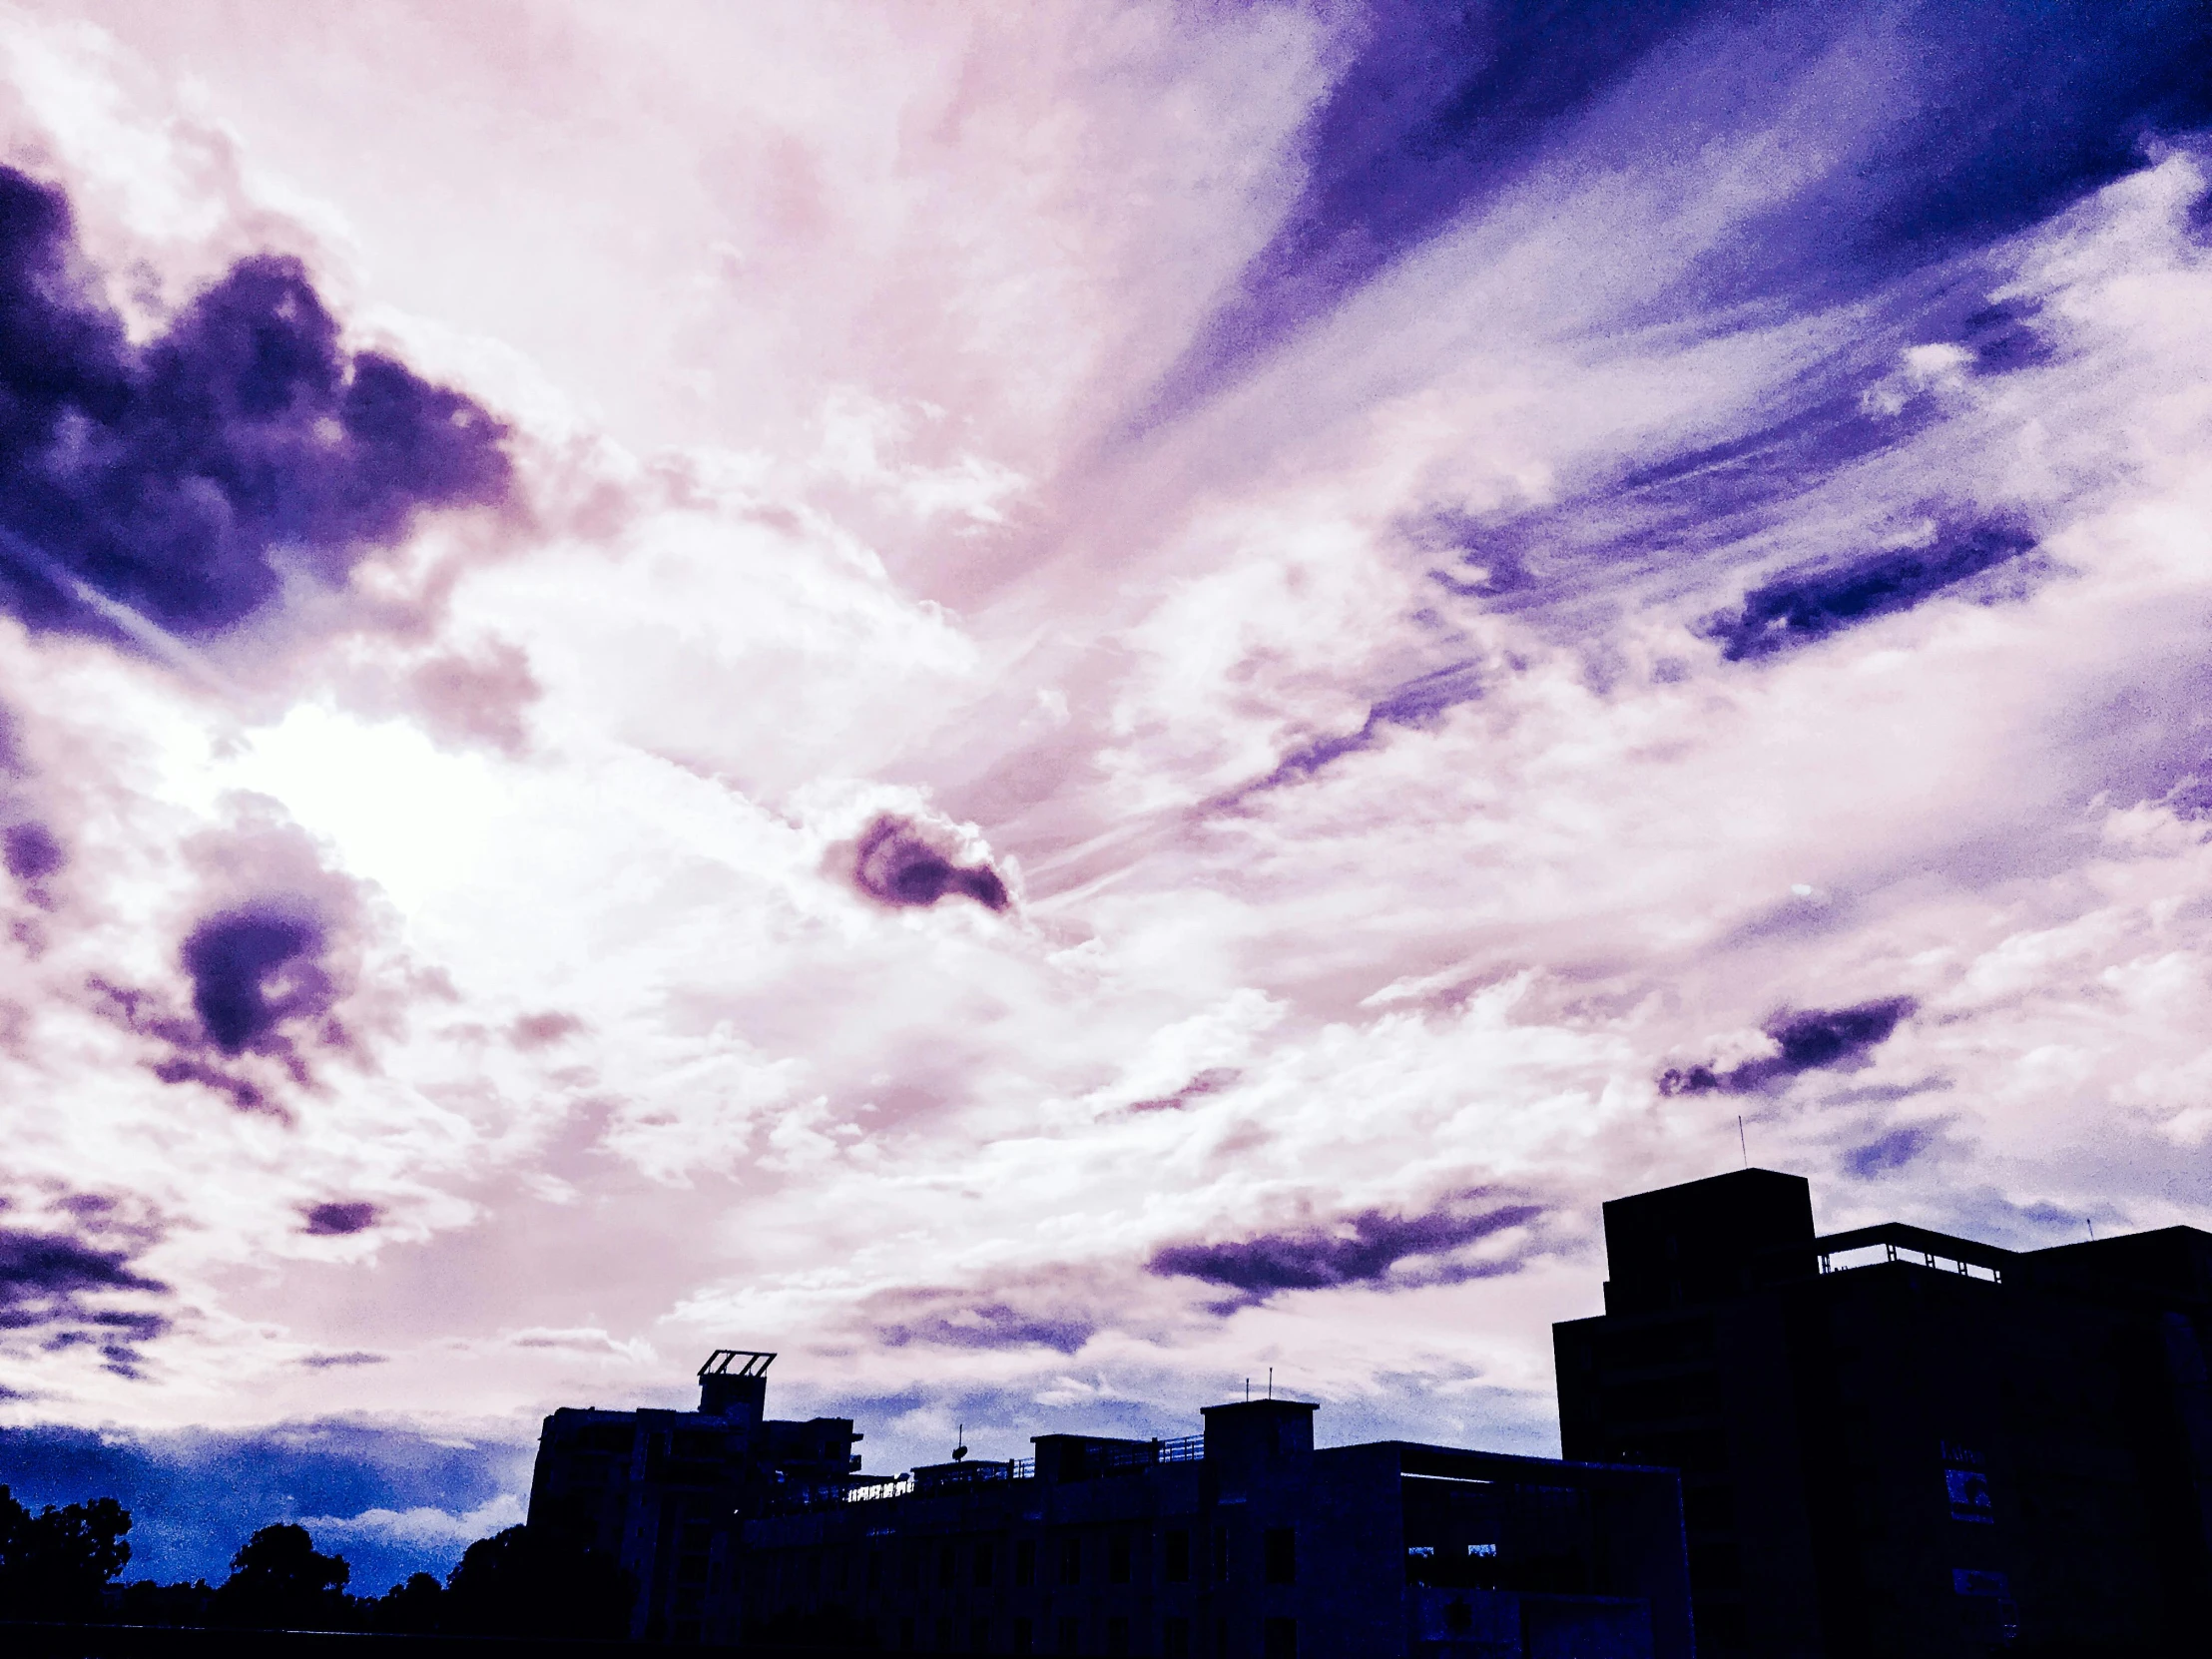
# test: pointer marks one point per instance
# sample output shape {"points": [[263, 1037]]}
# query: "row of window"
{"points": [[943, 1562]]}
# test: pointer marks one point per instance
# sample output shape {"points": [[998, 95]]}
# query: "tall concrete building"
{"points": [[652, 1490], [1244, 1542], [1894, 1441]]}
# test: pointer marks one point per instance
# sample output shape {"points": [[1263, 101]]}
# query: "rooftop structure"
{"points": [[651, 1488]]}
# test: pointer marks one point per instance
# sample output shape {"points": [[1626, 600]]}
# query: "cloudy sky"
{"points": [[1050, 703]]}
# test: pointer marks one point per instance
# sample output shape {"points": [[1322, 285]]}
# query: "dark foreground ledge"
{"points": [[20, 1640], [165, 1641]]}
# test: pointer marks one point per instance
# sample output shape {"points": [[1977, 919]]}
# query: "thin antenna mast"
{"points": [[1743, 1145], [1271, 1382]]}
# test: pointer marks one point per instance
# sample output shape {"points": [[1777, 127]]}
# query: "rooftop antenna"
{"points": [[1742, 1145], [2093, 1220], [1271, 1382], [960, 1450], [1248, 1390]]}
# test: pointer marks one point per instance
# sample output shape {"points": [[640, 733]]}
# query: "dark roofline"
{"points": [[1463, 1463]]}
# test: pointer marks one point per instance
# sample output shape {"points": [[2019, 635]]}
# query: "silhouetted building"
{"points": [[1897, 1442], [651, 1488], [1244, 1542]]}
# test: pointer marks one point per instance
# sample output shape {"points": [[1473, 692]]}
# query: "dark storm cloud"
{"points": [[1363, 1250], [1811, 603], [328, 1221], [252, 968], [183, 478], [1812, 1040], [62, 1287], [896, 865], [196, 1495], [1993, 117]]}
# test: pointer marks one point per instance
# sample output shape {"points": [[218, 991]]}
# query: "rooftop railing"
{"points": [[1183, 1449], [1889, 1242]]}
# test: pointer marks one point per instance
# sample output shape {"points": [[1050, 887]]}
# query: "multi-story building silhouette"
{"points": [[1894, 1441], [1244, 1542], [653, 1490]]}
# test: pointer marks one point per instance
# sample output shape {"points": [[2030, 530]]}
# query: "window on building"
{"points": [[906, 1635], [1071, 1560], [985, 1552], [980, 1636], [1117, 1558], [1174, 1554], [1279, 1638], [1282, 1551], [874, 1569], [1116, 1635], [1025, 1561], [947, 1568], [944, 1637], [1221, 1553], [1025, 1636], [1071, 1636], [1174, 1639]]}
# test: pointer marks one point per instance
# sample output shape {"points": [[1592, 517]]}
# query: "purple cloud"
{"points": [[334, 1219], [1891, 1151], [994, 1324], [1363, 1251], [895, 866], [1417, 705], [56, 1283], [252, 968], [2008, 114], [182, 478], [1816, 1039], [31, 850], [1801, 606]]}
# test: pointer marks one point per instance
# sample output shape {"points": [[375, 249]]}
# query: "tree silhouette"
{"points": [[279, 1582], [517, 1583], [53, 1565], [415, 1607]]}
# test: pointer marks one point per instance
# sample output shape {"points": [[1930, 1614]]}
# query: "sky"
{"points": [[1051, 705]]}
